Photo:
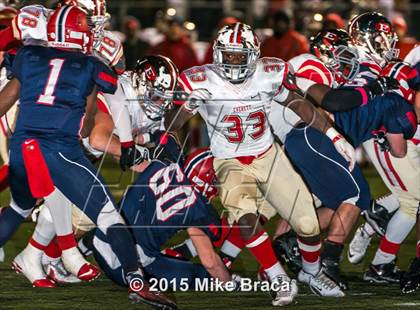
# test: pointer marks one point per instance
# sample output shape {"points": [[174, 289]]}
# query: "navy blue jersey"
{"points": [[54, 88], [414, 80], [162, 202], [390, 113]]}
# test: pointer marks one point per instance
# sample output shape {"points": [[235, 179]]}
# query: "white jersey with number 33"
{"points": [[236, 116]]}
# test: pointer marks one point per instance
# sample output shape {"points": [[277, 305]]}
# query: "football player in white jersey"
{"points": [[233, 95], [372, 33], [142, 97]]}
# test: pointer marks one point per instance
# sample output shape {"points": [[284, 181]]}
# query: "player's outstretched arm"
{"points": [[347, 98], [9, 95], [176, 117], [208, 257], [397, 144], [89, 119], [310, 115]]}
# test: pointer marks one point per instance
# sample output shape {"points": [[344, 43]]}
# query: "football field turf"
{"points": [[16, 292]]}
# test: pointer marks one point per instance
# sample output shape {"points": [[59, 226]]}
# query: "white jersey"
{"points": [[413, 57], [109, 49], [308, 71], [30, 25], [127, 112], [236, 114]]}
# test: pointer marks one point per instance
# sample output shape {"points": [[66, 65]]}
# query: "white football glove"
{"points": [[196, 99], [342, 146], [1, 255]]}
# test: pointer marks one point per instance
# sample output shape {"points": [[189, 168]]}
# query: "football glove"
{"points": [[381, 140], [133, 155], [342, 146], [381, 85], [196, 99]]}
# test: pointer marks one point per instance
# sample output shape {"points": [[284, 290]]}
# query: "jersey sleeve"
{"points": [[110, 50], [401, 119], [414, 78], [183, 88], [117, 106], [309, 71], [104, 77], [17, 64], [31, 24]]}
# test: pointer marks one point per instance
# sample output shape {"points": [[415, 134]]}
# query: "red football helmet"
{"points": [[402, 72], [96, 14], [199, 170], [68, 29]]}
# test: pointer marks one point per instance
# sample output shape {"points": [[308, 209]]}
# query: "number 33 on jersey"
{"points": [[236, 115]]}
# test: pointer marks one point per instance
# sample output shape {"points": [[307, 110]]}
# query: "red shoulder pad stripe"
{"points": [[108, 78]]}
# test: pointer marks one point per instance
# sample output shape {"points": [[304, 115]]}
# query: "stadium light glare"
{"points": [[318, 17], [171, 12], [189, 26]]}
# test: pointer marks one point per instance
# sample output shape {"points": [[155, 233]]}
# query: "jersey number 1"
{"points": [[48, 96]]}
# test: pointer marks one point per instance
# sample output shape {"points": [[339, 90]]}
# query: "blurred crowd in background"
{"points": [[183, 30]]}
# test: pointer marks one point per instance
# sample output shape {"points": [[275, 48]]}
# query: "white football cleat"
{"points": [[321, 284], [56, 271], [1, 255], [358, 246], [75, 263], [286, 293], [28, 263]]}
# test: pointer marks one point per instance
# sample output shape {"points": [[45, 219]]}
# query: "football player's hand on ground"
{"points": [[342, 146], [196, 99]]}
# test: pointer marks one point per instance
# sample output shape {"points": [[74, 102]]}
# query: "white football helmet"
{"points": [[236, 38]]}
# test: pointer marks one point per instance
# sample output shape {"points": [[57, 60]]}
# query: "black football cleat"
{"points": [[384, 273], [332, 270], [287, 251], [378, 217], [410, 281]]}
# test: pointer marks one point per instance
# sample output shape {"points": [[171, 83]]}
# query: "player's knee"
{"points": [[307, 226], [108, 216], [409, 207]]}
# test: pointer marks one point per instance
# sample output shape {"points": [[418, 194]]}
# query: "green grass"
{"points": [[16, 292]]}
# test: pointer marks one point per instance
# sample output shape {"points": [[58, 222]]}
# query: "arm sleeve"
{"points": [[120, 116], [344, 99], [16, 65], [104, 77], [401, 119]]}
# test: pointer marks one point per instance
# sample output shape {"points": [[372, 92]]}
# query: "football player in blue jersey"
{"points": [[57, 89], [160, 203]]}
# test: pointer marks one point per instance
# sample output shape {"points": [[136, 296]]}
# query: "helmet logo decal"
{"points": [[383, 27], [164, 78], [150, 73]]}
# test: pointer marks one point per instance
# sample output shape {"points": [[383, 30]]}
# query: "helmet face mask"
{"points": [[156, 103], [236, 51], [333, 48]]}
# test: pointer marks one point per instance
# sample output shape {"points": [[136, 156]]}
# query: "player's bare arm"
{"points": [[101, 137], [208, 257], [9, 95], [397, 144], [176, 117], [89, 119]]}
